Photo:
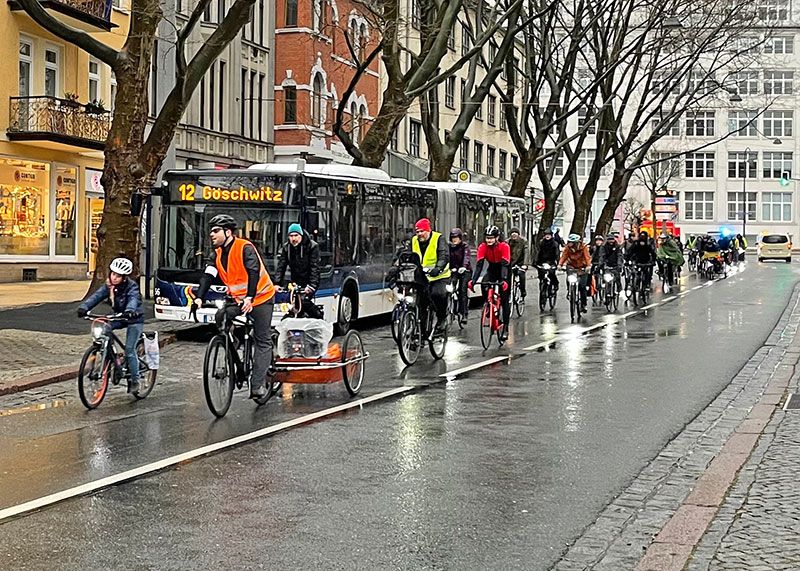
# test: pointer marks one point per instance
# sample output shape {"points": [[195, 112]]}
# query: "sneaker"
{"points": [[133, 387], [258, 392], [504, 335], [464, 319]]}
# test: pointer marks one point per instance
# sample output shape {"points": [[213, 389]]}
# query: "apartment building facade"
{"points": [[314, 44]]}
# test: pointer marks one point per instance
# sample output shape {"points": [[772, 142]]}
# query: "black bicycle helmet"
{"points": [[492, 231], [456, 233], [223, 221]]}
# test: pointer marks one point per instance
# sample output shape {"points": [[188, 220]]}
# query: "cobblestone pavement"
{"points": [[623, 531], [184, 366]]}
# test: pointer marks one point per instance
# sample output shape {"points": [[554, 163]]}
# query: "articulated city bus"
{"points": [[358, 216]]}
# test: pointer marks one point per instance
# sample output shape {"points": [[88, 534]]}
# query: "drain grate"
{"points": [[792, 402]]}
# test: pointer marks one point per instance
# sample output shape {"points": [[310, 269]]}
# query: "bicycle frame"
{"points": [[242, 365], [108, 341]]}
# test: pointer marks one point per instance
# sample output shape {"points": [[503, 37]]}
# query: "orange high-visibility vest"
{"points": [[235, 276]]}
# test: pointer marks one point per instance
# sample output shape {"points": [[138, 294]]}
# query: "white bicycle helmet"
{"points": [[121, 266]]}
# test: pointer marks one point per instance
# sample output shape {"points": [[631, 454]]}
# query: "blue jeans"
{"points": [[133, 334]]}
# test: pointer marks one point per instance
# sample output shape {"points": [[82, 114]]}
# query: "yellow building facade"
{"points": [[55, 112]]}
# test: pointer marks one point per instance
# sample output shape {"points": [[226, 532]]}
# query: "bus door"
{"points": [[317, 221], [345, 230]]}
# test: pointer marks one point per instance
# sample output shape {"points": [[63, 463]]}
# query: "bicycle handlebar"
{"points": [[109, 317]]}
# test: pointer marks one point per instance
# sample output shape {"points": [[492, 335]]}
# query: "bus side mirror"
{"points": [[137, 200]]}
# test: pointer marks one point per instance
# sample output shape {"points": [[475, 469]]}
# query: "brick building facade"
{"points": [[313, 67]]}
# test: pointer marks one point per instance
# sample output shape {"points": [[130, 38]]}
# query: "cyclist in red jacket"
{"points": [[493, 265]]}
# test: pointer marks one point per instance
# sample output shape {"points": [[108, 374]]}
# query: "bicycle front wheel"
{"points": [[93, 377], [487, 319], [147, 376], [218, 377], [409, 338], [519, 302]]}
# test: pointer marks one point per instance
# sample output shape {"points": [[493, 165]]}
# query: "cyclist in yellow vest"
{"points": [[434, 253]]}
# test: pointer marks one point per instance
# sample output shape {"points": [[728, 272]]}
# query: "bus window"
{"points": [[374, 214], [346, 225], [473, 217], [318, 219]]}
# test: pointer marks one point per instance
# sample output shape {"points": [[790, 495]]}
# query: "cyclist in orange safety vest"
{"points": [[238, 265]]}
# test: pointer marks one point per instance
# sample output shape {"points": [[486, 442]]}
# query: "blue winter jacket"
{"points": [[126, 298]]}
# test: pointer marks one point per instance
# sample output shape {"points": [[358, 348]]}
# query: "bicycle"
{"points": [[547, 288], [491, 315], [517, 300], [693, 265], [105, 361], [456, 309], [610, 290], [667, 276], [411, 332], [573, 295], [642, 283], [228, 363], [596, 284]]}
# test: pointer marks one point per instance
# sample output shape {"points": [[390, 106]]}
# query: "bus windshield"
{"points": [[263, 208]]}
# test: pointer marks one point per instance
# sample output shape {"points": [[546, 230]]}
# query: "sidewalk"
{"points": [[19, 294], [724, 493]]}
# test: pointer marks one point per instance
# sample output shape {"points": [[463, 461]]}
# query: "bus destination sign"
{"points": [[190, 192]]}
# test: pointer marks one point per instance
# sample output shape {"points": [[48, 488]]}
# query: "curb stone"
{"points": [[621, 535], [61, 373]]}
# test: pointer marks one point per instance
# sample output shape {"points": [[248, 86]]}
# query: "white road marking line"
{"points": [[788, 399], [540, 345], [697, 287], [487, 362], [667, 300], [89, 487], [651, 306], [629, 314]]}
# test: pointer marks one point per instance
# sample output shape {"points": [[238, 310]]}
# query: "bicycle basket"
{"points": [[407, 274]]}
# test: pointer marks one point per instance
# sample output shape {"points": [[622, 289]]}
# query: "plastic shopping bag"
{"points": [[152, 352]]}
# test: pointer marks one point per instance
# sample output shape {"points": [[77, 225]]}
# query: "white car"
{"points": [[774, 246]]}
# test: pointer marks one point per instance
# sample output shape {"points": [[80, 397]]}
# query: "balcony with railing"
{"points": [[86, 15], [63, 122]]}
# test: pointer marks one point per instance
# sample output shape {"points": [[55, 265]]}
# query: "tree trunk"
{"points": [[582, 207], [440, 163], [546, 221], [616, 192], [379, 136], [523, 175]]}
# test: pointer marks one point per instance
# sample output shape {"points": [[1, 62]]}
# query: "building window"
{"points": [[113, 102], [394, 142], [503, 158], [490, 157], [773, 10], [51, 70], [778, 123], [701, 82], [698, 205], [700, 124], [416, 13], [290, 104], [492, 52], [466, 41], [94, 79], [450, 92], [514, 163], [362, 116], [319, 15], [464, 155], [25, 67], [585, 162], [746, 82], [477, 161], [25, 213], [779, 45], [776, 207], [778, 82], [503, 126], [777, 165], [414, 135], [737, 206], [743, 123], [699, 165], [558, 169], [291, 14], [451, 39], [463, 91], [743, 164], [479, 111], [223, 79], [492, 110], [583, 117], [212, 71], [317, 119], [354, 123], [671, 130]]}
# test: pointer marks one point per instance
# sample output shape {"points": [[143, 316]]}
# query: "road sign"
{"points": [[463, 176], [661, 208], [538, 206], [663, 216], [665, 200]]}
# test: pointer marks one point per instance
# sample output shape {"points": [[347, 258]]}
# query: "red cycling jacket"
{"points": [[497, 258]]}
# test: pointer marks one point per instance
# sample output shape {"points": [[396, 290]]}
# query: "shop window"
{"points": [[24, 208], [66, 190]]}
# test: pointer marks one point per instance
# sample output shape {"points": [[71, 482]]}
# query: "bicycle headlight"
{"points": [[608, 278], [572, 278], [409, 299], [220, 303], [449, 288], [97, 331], [400, 296], [545, 266]]}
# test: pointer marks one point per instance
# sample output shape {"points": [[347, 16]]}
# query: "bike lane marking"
{"points": [[84, 489], [478, 365]]}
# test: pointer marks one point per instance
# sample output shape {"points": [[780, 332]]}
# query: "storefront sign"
{"points": [[190, 192], [92, 183]]}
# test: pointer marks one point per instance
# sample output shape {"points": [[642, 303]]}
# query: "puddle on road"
{"points": [[58, 403]]}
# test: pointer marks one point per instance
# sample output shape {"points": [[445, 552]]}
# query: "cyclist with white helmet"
{"points": [[576, 257], [122, 293]]}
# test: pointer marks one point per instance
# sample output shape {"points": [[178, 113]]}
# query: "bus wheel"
{"points": [[344, 317]]}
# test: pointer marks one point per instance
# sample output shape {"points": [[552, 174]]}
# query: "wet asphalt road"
{"points": [[500, 468]]}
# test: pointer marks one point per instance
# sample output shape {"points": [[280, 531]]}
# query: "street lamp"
{"points": [[775, 141]]}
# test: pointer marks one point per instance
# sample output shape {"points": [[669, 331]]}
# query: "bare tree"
{"points": [[662, 169], [133, 156]]}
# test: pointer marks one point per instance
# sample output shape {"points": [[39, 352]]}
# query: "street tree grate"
{"points": [[792, 402]]}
